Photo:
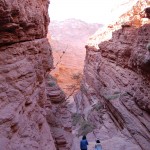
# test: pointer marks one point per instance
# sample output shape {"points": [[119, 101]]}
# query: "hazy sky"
{"points": [[98, 11]]}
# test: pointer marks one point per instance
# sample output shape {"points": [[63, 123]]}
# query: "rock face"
{"points": [[117, 75], [23, 20], [58, 115], [25, 59]]}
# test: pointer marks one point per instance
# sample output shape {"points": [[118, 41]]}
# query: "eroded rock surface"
{"points": [[25, 59], [117, 77], [23, 20], [58, 115]]}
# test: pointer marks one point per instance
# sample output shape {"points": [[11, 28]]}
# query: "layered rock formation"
{"points": [[58, 116], [117, 80], [25, 59], [23, 20], [114, 92]]}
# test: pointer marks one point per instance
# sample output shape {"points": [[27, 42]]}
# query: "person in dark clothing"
{"points": [[83, 143]]}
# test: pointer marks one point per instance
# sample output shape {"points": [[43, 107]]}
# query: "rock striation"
{"points": [[25, 60], [58, 115], [117, 75]]}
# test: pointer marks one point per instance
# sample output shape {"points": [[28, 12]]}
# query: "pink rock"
{"points": [[25, 59], [23, 21], [117, 74]]}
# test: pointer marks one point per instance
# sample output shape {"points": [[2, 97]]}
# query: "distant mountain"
{"points": [[70, 36], [72, 31]]}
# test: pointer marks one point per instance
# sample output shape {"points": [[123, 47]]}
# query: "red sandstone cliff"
{"points": [[25, 59], [58, 116], [116, 83], [114, 92]]}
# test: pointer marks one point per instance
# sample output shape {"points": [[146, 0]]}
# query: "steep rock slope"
{"points": [[25, 59], [117, 78]]}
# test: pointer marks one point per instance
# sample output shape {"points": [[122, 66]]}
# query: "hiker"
{"points": [[83, 143], [98, 145]]}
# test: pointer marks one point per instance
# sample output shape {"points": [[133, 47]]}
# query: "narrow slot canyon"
{"points": [[60, 80]]}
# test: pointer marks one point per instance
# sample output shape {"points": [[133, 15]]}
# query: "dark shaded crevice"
{"points": [[21, 41]]}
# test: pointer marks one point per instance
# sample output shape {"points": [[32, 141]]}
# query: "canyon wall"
{"points": [[58, 115], [117, 76], [25, 60]]}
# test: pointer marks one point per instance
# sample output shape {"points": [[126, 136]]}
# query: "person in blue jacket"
{"points": [[83, 143]]}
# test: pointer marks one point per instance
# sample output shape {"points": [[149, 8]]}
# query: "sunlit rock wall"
{"points": [[117, 73]]}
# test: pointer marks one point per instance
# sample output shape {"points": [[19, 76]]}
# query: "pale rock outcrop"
{"points": [[117, 75], [25, 59]]}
